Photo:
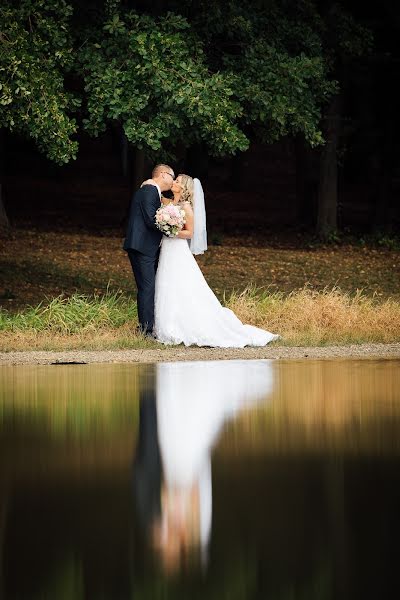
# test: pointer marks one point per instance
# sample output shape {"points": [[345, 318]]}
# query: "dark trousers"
{"points": [[144, 270]]}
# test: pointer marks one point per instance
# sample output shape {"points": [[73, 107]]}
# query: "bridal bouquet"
{"points": [[170, 219]]}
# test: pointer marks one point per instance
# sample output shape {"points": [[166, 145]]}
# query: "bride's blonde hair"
{"points": [[187, 192]]}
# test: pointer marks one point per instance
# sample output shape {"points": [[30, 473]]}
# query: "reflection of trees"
{"points": [[66, 582], [338, 529], [288, 524], [334, 393], [3, 521], [312, 404], [281, 525], [327, 405]]}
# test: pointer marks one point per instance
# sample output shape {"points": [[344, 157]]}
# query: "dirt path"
{"points": [[178, 354]]}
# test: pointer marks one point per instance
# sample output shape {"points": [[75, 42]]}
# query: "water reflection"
{"points": [[180, 420], [219, 480]]}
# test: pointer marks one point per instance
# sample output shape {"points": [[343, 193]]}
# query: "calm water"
{"points": [[219, 480]]}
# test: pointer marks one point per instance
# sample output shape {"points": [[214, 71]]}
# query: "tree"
{"points": [[145, 74], [275, 53], [211, 74], [272, 50], [35, 51], [149, 75], [345, 41], [290, 62]]}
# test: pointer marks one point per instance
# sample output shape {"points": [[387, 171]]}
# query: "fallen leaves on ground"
{"points": [[36, 265]]}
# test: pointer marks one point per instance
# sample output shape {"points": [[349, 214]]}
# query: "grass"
{"points": [[317, 318], [101, 321], [109, 320], [78, 313]]}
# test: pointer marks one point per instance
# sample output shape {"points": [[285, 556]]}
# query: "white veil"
{"points": [[198, 243]]}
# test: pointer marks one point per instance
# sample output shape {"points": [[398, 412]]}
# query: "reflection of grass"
{"points": [[71, 401], [109, 320]]}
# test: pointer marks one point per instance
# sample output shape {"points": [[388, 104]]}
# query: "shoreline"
{"points": [[172, 354]]}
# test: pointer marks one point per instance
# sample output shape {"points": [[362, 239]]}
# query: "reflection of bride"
{"points": [[194, 399]]}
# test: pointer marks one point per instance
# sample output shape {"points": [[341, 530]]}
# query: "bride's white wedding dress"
{"points": [[187, 311]]}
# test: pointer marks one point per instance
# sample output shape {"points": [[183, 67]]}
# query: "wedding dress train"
{"points": [[188, 312]]}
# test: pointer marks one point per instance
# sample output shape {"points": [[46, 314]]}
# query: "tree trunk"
{"points": [[382, 221], [196, 161], [4, 222], [138, 175], [236, 174], [327, 193], [306, 183], [124, 154]]}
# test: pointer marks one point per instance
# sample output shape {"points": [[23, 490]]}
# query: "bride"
{"points": [[186, 309]]}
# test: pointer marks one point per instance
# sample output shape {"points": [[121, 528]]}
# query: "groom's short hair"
{"points": [[158, 168]]}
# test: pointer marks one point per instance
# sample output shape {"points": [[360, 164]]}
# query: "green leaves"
{"points": [[153, 78], [274, 53], [114, 25], [169, 80], [35, 49]]}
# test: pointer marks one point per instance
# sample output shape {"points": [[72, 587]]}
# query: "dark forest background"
{"points": [[287, 112]]}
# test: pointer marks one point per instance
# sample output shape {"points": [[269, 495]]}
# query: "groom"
{"points": [[142, 242]]}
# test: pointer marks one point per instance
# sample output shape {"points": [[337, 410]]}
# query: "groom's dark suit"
{"points": [[142, 242]]}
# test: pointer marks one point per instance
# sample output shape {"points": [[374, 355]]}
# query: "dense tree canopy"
{"points": [[171, 74], [206, 74], [35, 52], [152, 77], [273, 51]]}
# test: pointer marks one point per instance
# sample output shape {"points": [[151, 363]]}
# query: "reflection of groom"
{"points": [[142, 242], [147, 464]]}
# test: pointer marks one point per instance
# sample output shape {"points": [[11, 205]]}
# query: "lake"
{"points": [[223, 479]]}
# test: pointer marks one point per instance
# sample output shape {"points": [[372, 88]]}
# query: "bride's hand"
{"points": [[148, 182]]}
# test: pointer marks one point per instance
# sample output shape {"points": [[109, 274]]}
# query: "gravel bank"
{"points": [[177, 354]]}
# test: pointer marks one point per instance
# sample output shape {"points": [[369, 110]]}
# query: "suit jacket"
{"points": [[142, 233]]}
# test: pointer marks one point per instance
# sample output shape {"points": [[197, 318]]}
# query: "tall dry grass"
{"points": [[109, 321], [315, 318]]}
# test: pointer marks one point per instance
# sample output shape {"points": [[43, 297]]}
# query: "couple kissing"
{"points": [[175, 303]]}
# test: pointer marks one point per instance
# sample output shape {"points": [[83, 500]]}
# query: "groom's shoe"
{"points": [[150, 336], [147, 333]]}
